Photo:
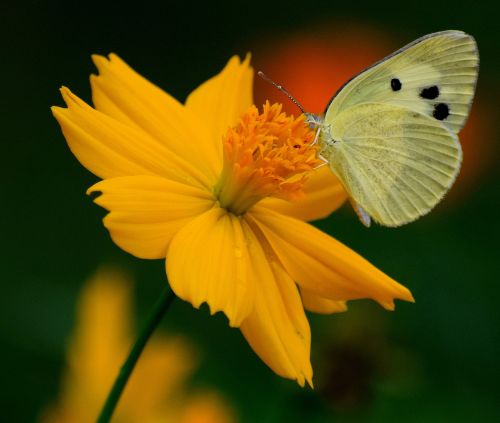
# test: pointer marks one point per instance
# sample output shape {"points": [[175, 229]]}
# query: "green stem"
{"points": [[154, 319]]}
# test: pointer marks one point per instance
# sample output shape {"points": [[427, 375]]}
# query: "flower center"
{"points": [[265, 154]]}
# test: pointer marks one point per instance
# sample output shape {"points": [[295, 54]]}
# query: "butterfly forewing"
{"points": [[435, 75], [394, 162]]}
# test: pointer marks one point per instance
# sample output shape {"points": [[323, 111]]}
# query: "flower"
{"points": [[222, 192], [99, 344]]}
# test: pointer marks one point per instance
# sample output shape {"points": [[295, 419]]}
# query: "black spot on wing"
{"points": [[430, 93], [396, 84], [441, 111]]}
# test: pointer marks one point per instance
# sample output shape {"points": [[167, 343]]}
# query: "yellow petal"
{"points": [[317, 304], [208, 261], [147, 211], [123, 94], [221, 100], [101, 337], [109, 148], [324, 266], [323, 195], [277, 329]]}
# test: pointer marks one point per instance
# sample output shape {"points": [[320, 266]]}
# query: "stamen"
{"points": [[266, 154]]}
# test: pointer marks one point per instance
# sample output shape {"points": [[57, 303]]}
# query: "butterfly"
{"points": [[389, 134]]}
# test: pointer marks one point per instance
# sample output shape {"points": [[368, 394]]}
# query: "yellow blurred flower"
{"points": [[222, 191], [101, 340]]}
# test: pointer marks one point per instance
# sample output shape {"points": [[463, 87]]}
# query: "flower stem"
{"points": [[150, 325]]}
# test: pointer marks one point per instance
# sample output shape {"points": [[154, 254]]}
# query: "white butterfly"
{"points": [[390, 133]]}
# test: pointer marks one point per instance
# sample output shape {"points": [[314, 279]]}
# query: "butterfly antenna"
{"points": [[282, 89]]}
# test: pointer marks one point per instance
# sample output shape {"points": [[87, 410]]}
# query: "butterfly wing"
{"points": [[435, 75], [394, 162]]}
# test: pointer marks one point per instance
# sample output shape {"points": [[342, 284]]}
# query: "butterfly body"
{"points": [[390, 133]]}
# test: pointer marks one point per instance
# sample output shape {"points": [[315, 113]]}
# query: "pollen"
{"points": [[265, 154]]}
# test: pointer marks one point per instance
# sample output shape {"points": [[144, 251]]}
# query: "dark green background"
{"points": [[433, 361]]}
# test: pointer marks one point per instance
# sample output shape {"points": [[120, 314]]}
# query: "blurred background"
{"points": [[433, 361]]}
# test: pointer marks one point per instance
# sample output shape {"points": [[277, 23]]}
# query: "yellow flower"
{"points": [[101, 340], [222, 191]]}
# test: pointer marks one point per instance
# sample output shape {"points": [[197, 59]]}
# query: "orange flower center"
{"points": [[265, 154]]}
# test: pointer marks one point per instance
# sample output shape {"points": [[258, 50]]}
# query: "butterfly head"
{"points": [[313, 120], [323, 135]]}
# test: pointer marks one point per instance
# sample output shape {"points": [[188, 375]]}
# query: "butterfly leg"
{"points": [[322, 164], [316, 136]]}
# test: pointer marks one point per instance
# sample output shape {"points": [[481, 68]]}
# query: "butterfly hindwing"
{"points": [[394, 162], [435, 75]]}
